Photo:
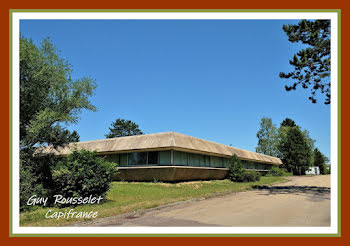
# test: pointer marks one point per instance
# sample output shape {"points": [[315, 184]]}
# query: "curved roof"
{"points": [[166, 140]]}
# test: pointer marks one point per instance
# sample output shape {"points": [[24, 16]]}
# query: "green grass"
{"points": [[126, 197]]}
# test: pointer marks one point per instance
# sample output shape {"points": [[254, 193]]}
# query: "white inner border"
{"points": [[17, 16]]}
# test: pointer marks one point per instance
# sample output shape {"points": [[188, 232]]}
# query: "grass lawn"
{"points": [[126, 197]]}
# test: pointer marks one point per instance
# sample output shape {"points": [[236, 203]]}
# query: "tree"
{"points": [[312, 65], [295, 151], [49, 101], [122, 128], [286, 125], [320, 161], [49, 98], [74, 136], [288, 122], [310, 142], [267, 138]]}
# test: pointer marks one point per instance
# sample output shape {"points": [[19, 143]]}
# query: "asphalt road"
{"points": [[303, 201]]}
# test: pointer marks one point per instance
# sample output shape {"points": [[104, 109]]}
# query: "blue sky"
{"points": [[212, 79]]}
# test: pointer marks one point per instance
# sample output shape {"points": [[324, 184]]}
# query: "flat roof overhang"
{"points": [[162, 141]]}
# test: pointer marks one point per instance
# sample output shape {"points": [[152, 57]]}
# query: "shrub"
{"points": [[236, 169], [239, 174], [251, 176], [276, 171], [35, 177], [83, 173], [28, 186]]}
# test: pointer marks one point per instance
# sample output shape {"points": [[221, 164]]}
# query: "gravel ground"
{"points": [[303, 201]]}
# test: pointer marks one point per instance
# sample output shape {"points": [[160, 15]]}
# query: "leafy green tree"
{"points": [[309, 140], [49, 98], [312, 65], [267, 137], [319, 161], [295, 151], [122, 128], [49, 101]]}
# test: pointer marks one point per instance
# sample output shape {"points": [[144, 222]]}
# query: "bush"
{"points": [[82, 174], [251, 176], [276, 171], [28, 186], [35, 177], [236, 169], [239, 174]]}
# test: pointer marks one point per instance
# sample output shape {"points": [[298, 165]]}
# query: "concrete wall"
{"points": [[170, 173]]}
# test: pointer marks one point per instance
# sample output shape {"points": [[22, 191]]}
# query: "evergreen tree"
{"points": [[288, 122], [320, 161], [267, 138], [236, 169], [312, 65], [286, 125], [122, 128], [295, 151], [74, 137]]}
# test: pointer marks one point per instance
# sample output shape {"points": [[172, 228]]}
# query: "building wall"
{"points": [[169, 173]]}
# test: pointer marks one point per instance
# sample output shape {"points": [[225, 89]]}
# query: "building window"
{"points": [[194, 160], [180, 158], [248, 164], [164, 157], [153, 158], [226, 162], [113, 158], [206, 160], [201, 160], [137, 158], [255, 165], [216, 161], [123, 160]]}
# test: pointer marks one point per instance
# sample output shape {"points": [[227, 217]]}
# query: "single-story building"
{"points": [[170, 156]]}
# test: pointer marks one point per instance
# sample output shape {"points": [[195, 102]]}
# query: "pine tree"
{"points": [[320, 161], [312, 65], [286, 125], [288, 122], [122, 128], [296, 153]]}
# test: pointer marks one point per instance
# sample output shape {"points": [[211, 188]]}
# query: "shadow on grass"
{"points": [[313, 192]]}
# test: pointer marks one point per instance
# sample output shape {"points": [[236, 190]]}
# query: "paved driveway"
{"points": [[303, 201]]}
